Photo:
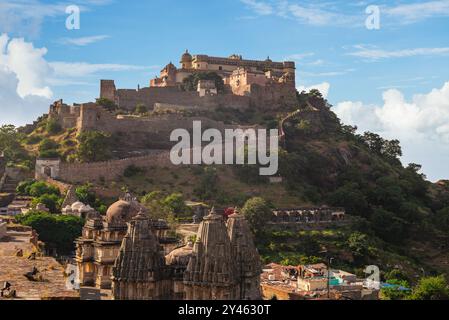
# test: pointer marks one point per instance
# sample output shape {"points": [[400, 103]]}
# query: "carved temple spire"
{"points": [[247, 260], [139, 267], [210, 272]]}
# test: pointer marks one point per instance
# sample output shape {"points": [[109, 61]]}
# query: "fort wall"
{"points": [[128, 99], [109, 170]]}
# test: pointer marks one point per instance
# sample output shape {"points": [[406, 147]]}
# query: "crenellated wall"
{"points": [[109, 170]]}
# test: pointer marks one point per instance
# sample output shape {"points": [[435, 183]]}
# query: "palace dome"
{"points": [[186, 57], [180, 256], [122, 211]]}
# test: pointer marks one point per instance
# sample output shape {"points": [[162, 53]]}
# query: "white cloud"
{"points": [[22, 17], [84, 41], [259, 7], [419, 123], [82, 69], [322, 87], [27, 63], [414, 12], [373, 53], [322, 13], [26, 78], [299, 56]]}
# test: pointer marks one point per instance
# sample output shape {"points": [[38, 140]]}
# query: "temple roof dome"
{"points": [[122, 211], [180, 256]]}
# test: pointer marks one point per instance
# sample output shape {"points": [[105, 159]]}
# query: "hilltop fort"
{"points": [[247, 84]]}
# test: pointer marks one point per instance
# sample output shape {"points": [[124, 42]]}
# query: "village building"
{"points": [[311, 282]]}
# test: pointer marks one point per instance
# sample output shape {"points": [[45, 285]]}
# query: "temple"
{"points": [[129, 253]]}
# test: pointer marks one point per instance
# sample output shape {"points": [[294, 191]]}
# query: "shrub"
{"points": [[53, 127], [258, 213], [141, 109], [55, 231], [132, 171], [94, 146]]}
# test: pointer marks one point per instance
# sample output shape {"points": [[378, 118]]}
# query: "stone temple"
{"points": [[129, 253]]}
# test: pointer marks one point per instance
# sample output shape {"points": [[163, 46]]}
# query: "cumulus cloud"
{"points": [[322, 87], [24, 94], [420, 123], [26, 78]]}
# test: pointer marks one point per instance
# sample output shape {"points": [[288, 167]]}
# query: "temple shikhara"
{"points": [[130, 254]]}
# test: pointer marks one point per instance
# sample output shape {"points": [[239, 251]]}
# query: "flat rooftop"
{"points": [[12, 270]]}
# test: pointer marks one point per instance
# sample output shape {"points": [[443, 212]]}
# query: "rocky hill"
{"points": [[400, 220]]}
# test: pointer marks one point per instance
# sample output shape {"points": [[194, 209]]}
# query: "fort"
{"points": [[265, 85], [261, 85]]}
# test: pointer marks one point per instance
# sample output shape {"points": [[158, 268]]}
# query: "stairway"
{"points": [[9, 186]]}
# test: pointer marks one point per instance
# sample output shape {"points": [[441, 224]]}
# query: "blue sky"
{"points": [[390, 80]]}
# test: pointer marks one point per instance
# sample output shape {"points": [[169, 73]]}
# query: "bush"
{"points": [[132, 171], [141, 109], [191, 82], [432, 288], [51, 201], [34, 188], [258, 213], [53, 127], [94, 146], [107, 104], [55, 231]]}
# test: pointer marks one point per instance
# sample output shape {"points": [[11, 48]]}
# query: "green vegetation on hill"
{"points": [[400, 220], [43, 193], [56, 231]]}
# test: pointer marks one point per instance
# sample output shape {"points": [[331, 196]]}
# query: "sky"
{"points": [[390, 77]]}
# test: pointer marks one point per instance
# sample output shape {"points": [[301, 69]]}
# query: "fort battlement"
{"points": [[74, 173]]}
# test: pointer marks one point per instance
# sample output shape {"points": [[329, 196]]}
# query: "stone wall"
{"points": [[109, 170], [3, 230], [128, 99]]}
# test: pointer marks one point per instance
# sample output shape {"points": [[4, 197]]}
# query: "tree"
{"points": [[351, 198], [55, 231], [258, 213], [51, 201], [94, 146], [141, 108], [397, 290], [10, 145], [175, 203], [48, 149], [40, 188], [53, 127], [107, 104], [359, 244], [191, 82], [431, 288]]}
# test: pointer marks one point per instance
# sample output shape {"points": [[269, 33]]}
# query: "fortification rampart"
{"points": [[109, 170], [128, 99]]}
